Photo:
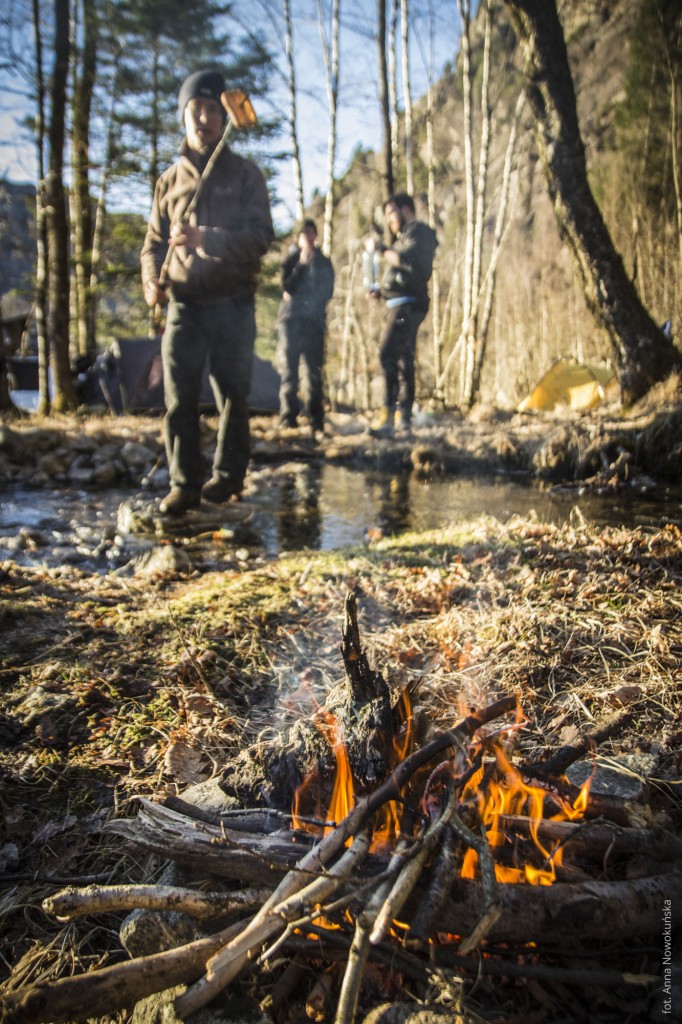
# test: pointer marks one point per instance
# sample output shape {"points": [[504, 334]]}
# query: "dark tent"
{"points": [[129, 378]]}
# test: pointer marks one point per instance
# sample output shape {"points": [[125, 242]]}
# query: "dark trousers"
{"points": [[397, 354], [224, 334], [301, 340]]}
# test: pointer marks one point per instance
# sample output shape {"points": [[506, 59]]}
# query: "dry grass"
{"points": [[140, 687]]}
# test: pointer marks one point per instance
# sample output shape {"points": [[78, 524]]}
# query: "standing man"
{"points": [[211, 282], [405, 289], [307, 278]]}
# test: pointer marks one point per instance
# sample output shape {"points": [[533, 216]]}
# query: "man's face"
{"points": [[203, 123], [306, 238], [394, 218]]}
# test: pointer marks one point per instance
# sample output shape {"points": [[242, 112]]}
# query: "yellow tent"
{"points": [[571, 384]]}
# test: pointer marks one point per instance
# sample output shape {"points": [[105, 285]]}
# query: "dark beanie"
{"points": [[210, 84]]}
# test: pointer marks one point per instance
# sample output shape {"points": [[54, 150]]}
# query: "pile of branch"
{"points": [[335, 899]]}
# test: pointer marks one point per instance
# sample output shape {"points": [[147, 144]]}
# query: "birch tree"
{"points": [[292, 117], [41, 284], [478, 287], [330, 47], [407, 93], [393, 75], [384, 101]]}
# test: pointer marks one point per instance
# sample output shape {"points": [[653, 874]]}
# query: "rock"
{"points": [[11, 442], [163, 558], [208, 796], [137, 456], [105, 473], [52, 464], [130, 519], [41, 704], [624, 777], [236, 1009], [145, 932]]}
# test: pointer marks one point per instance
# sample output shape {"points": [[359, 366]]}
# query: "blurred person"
{"points": [[307, 279], [210, 287], [404, 287]]}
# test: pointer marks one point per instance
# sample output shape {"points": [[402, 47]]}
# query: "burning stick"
{"points": [[229, 962]]}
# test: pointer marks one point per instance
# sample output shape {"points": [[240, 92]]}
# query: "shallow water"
{"points": [[294, 507]]}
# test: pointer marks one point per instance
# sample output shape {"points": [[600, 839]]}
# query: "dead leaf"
{"points": [[185, 763]]}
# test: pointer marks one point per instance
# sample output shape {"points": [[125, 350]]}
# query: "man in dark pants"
{"points": [[307, 278], [405, 288], [212, 278]]}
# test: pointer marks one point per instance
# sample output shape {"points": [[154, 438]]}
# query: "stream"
{"points": [[313, 506]]}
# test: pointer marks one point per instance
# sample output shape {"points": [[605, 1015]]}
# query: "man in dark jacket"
{"points": [[405, 288], [307, 279], [211, 280]]}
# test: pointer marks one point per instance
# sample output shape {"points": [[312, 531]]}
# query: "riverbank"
{"points": [[606, 448]]}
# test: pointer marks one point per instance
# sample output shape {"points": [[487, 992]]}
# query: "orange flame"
{"points": [[343, 793], [514, 797]]}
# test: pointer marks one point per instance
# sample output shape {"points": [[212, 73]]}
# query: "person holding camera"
{"points": [[307, 278], [409, 264]]}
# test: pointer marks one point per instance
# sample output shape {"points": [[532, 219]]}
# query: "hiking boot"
{"points": [[384, 423], [402, 424], [179, 500], [220, 489]]}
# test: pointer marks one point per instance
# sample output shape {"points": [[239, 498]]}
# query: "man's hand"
{"points": [[392, 257], [307, 252], [155, 293], [189, 235]]}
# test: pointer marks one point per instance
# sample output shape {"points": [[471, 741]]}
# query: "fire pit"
{"points": [[385, 844]]}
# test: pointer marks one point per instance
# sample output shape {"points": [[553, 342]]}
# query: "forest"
{"points": [[102, 118]]}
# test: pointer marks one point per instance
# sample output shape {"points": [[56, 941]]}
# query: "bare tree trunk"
{"points": [[501, 224], [407, 90], [431, 166], [467, 298], [473, 289], [642, 352], [676, 141], [41, 285], [384, 97], [393, 78], [57, 221], [155, 124], [331, 60], [292, 117], [100, 212], [84, 85]]}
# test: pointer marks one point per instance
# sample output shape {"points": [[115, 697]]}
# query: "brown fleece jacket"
{"points": [[233, 207]]}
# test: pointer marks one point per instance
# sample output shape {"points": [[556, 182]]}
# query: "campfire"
{"points": [[397, 846]]}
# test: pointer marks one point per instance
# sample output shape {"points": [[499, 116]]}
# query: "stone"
{"points": [[160, 559], [625, 776]]}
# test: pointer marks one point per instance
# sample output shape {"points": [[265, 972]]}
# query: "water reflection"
{"points": [[299, 516], [299, 506]]}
